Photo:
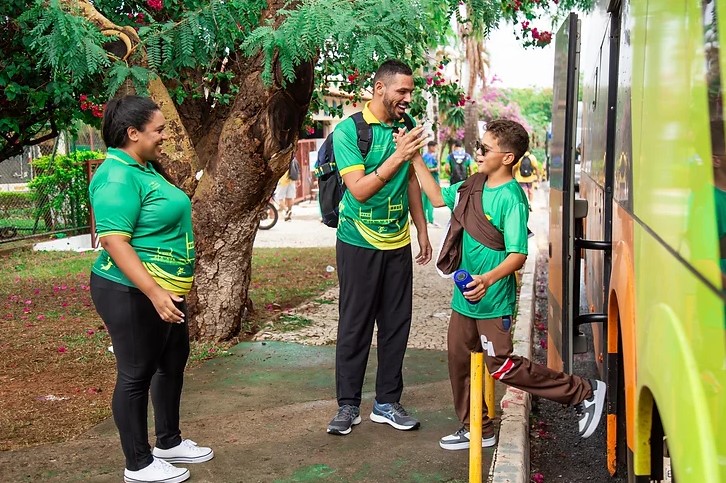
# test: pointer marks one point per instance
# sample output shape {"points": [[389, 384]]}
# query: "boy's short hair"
{"points": [[510, 135], [457, 144], [432, 144]]}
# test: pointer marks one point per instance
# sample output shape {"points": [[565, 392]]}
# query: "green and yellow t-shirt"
{"points": [[136, 201], [381, 222], [506, 207]]}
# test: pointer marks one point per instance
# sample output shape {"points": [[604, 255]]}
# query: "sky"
{"points": [[516, 66]]}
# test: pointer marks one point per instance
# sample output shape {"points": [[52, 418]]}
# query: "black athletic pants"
{"points": [[150, 353], [375, 286]]}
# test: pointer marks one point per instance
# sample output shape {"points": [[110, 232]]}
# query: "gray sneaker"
{"points": [[393, 414], [347, 417], [460, 440]]}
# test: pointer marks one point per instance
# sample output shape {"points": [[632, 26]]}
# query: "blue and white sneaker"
{"points": [[393, 414], [590, 410]]}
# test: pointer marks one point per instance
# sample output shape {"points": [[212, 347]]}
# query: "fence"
{"points": [[53, 201], [45, 190]]}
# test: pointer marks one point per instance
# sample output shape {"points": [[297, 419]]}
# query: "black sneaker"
{"points": [[590, 410], [393, 414], [347, 417]]}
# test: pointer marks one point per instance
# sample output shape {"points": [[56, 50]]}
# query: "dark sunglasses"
{"points": [[485, 150]]}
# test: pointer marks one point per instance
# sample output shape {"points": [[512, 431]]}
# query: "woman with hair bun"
{"points": [[138, 285]]}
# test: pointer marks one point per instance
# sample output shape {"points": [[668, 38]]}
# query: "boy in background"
{"points": [[432, 164], [482, 316]]}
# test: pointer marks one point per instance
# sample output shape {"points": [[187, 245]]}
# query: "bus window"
{"points": [[718, 147], [716, 114]]}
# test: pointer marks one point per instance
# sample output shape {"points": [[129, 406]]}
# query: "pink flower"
{"points": [[90, 332], [41, 317], [155, 4], [538, 478], [543, 343], [62, 350], [28, 302]]}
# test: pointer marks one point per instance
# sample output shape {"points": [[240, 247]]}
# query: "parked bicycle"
{"points": [[268, 216]]}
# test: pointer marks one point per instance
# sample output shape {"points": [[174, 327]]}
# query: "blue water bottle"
{"points": [[462, 278]]}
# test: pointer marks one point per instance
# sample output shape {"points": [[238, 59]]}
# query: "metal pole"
{"points": [[475, 416], [489, 392]]}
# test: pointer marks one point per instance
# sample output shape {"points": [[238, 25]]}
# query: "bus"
{"points": [[639, 253]]}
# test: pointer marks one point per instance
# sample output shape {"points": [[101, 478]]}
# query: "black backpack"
{"points": [[294, 170], [459, 171], [330, 184], [525, 167]]}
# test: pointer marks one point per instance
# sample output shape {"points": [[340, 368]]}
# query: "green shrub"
{"points": [[10, 200], [60, 188]]}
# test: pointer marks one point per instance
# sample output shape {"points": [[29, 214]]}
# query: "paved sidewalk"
{"points": [[264, 408]]}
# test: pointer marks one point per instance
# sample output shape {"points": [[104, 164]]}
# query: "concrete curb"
{"points": [[510, 463]]}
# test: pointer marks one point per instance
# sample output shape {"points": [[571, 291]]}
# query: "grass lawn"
{"points": [[56, 373]]}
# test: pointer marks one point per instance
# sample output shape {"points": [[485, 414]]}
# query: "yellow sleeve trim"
{"points": [[349, 169], [109, 233]]}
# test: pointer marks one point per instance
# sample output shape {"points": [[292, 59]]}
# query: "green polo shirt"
{"points": [[507, 208], [137, 202], [380, 223]]}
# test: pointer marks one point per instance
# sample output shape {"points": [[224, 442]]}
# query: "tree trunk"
{"points": [[471, 127], [256, 143], [240, 151]]}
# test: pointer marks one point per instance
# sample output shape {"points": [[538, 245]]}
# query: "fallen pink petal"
{"points": [[62, 350]]}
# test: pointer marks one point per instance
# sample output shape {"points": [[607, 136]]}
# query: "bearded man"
{"points": [[373, 250]]}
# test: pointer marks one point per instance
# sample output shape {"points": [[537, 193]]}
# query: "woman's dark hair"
{"points": [[122, 113], [125, 112]]}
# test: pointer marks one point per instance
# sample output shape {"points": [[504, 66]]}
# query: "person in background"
{"points": [[527, 172], [285, 192], [138, 285], [429, 158], [459, 164]]}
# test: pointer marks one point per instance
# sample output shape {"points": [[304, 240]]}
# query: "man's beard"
{"points": [[391, 109]]}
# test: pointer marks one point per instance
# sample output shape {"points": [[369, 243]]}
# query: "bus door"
{"points": [[562, 197]]}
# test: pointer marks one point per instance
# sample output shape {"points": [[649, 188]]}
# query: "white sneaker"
{"points": [[590, 410], [460, 440], [159, 471], [185, 452]]}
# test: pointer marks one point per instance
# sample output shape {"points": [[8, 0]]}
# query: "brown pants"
{"points": [[467, 335]]}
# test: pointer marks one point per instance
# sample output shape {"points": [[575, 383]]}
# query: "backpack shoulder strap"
{"points": [[365, 133]]}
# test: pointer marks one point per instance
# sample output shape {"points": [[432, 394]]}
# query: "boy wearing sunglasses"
{"points": [[488, 238]]}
